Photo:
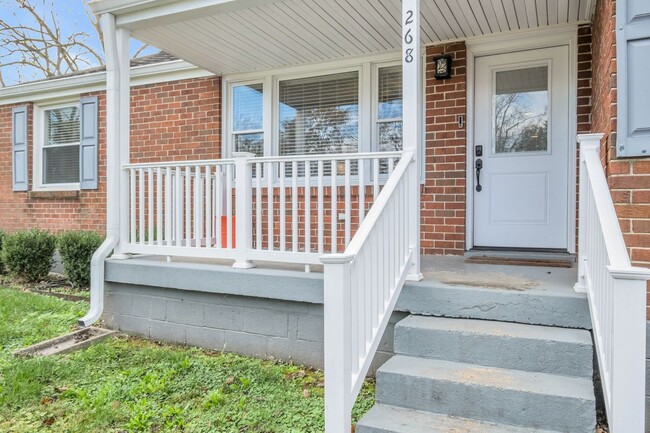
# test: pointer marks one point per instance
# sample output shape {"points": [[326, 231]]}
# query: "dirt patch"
{"points": [[487, 280]]}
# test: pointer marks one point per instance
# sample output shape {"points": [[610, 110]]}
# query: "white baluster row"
{"points": [[179, 206], [363, 283]]}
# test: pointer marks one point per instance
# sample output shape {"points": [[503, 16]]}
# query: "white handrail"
{"points": [[616, 292], [360, 291]]}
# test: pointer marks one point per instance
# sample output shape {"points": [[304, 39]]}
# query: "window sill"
{"points": [[55, 194]]}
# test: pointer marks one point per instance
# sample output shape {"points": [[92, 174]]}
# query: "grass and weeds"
{"points": [[131, 385]]}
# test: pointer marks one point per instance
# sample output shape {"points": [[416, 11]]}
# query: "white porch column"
{"points": [[123, 37], [412, 123]]}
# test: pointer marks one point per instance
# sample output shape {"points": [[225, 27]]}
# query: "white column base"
{"points": [[120, 256], [580, 287], [243, 265], [415, 277]]}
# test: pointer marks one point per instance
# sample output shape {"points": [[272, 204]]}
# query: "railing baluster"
{"points": [[229, 210], [188, 207], [321, 242], [307, 207], [141, 210], [150, 196], [208, 206], [362, 190], [132, 205], [168, 207], [258, 205], [375, 178], [179, 207], [294, 206], [218, 207], [159, 206], [348, 207], [269, 216], [333, 208], [283, 210], [198, 207]]}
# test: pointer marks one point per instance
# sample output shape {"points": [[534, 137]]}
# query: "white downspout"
{"points": [[112, 173]]}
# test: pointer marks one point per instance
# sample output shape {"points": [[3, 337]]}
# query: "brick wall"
{"points": [[629, 178], [443, 196], [174, 120]]}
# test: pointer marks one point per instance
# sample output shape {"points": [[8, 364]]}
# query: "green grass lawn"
{"points": [[132, 385]]}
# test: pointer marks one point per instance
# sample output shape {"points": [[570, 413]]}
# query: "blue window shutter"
{"points": [[633, 64], [19, 149], [88, 147]]}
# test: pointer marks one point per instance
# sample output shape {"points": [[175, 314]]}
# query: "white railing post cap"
{"points": [[590, 137], [336, 259], [243, 155]]}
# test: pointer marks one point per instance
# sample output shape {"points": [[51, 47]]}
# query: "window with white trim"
{"points": [[319, 115], [248, 118], [389, 108], [357, 108], [60, 145]]}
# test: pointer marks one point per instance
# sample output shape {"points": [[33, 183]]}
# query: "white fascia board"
{"points": [[42, 91], [138, 14]]}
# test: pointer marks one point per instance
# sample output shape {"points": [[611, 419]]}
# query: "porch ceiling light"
{"points": [[442, 66]]}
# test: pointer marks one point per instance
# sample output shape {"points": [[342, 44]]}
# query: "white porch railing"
{"points": [[283, 209], [617, 295], [361, 288]]}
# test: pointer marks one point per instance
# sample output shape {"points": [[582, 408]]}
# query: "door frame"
{"points": [[564, 35]]}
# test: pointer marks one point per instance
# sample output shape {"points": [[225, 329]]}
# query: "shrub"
{"points": [[2, 236], [76, 248], [28, 254]]}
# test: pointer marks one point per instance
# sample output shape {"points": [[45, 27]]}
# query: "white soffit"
{"points": [[269, 34]]}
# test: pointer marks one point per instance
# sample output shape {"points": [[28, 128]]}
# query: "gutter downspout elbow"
{"points": [[97, 281], [113, 169]]}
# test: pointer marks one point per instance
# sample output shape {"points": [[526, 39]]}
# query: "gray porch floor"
{"points": [[438, 271]]}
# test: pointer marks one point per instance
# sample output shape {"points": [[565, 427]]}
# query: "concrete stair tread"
{"points": [[391, 419], [491, 377], [542, 349], [499, 329]]}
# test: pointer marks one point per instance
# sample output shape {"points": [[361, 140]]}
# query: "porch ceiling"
{"points": [[226, 36]]}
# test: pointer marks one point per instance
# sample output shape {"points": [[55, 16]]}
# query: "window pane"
{"points": [[253, 143], [319, 115], [61, 164], [521, 110], [390, 93], [62, 126], [390, 136], [247, 107]]}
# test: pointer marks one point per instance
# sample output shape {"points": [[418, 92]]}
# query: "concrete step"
{"points": [[512, 397], [542, 349], [391, 419], [555, 306]]}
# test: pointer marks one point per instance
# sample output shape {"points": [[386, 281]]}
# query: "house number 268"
{"points": [[408, 37]]}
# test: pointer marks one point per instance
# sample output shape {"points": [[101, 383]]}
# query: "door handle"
{"points": [[479, 166]]}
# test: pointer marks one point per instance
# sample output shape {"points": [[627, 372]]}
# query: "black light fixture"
{"points": [[442, 66]]}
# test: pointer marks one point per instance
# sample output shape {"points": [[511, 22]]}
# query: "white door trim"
{"points": [[501, 44]]}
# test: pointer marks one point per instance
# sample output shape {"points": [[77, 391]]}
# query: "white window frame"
{"points": [[375, 103], [230, 109], [367, 67], [39, 138]]}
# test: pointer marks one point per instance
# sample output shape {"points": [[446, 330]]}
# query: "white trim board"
{"points": [[66, 87], [510, 42]]}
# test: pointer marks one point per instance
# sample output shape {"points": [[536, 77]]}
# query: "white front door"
{"points": [[521, 130]]}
